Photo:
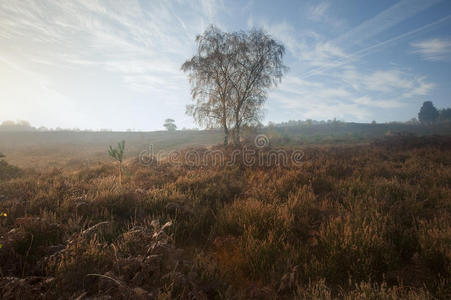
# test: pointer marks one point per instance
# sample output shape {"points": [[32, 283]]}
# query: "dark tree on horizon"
{"points": [[428, 113], [169, 124], [445, 114]]}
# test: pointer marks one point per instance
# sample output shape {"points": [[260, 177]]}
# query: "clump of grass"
{"points": [[8, 171]]}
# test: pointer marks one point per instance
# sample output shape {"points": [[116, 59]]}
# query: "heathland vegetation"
{"points": [[362, 211], [351, 221]]}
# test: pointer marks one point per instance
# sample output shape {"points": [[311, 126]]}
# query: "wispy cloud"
{"points": [[383, 81], [385, 20], [421, 88], [120, 36], [307, 46], [136, 48], [321, 12], [436, 49], [368, 101], [327, 72], [318, 11], [367, 50], [357, 92]]}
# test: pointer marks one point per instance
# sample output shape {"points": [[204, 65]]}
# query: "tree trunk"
{"points": [[236, 129], [237, 135], [226, 136], [120, 174]]}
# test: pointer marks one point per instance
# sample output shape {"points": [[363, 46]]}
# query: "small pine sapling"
{"points": [[118, 155]]}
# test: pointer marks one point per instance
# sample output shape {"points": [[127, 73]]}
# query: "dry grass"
{"points": [[352, 222]]}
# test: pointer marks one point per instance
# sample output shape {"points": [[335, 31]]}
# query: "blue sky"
{"points": [[116, 64]]}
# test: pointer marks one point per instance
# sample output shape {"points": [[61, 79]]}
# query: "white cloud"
{"points": [[391, 81], [307, 47], [435, 49], [318, 11], [321, 12], [385, 20], [121, 36], [143, 44], [421, 88], [210, 8], [371, 28], [386, 81], [368, 101], [350, 93], [318, 109], [282, 31], [326, 82], [322, 54], [92, 49]]}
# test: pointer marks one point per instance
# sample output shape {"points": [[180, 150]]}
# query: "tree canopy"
{"points": [[170, 125], [209, 74], [428, 113], [230, 75], [445, 114]]}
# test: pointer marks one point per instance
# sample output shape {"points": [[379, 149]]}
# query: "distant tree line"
{"points": [[24, 126], [21, 126], [305, 123], [16, 126], [429, 114]]}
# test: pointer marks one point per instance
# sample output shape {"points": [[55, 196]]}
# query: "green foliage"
{"points": [[117, 153], [170, 125]]}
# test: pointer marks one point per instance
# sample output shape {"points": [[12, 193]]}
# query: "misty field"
{"points": [[70, 149], [352, 221]]}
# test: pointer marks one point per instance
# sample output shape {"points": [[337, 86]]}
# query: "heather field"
{"points": [[364, 220], [210, 149]]}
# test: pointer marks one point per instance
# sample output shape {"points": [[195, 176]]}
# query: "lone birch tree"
{"points": [[230, 76], [258, 67], [209, 72]]}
